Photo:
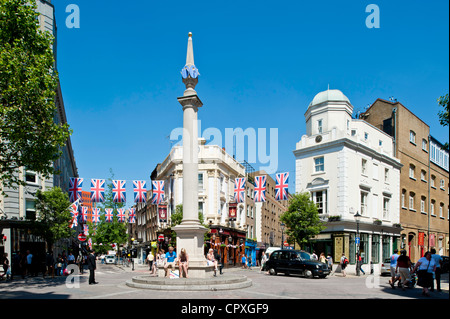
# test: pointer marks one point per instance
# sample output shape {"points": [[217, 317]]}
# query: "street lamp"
{"points": [[282, 234], [358, 240]]}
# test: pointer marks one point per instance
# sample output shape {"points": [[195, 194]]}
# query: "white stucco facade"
{"points": [[347, 165]]}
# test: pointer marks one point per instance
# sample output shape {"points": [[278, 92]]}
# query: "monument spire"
{"points": [[189, 73]]}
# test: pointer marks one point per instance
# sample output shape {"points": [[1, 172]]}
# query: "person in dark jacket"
{"points": [[92, 266], [219, 260]]}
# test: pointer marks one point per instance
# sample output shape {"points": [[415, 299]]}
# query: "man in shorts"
{"points": [[171, 258], [394, 275]]}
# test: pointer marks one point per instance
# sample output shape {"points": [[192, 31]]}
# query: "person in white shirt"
{"points": [[437, 274], [425, 266]]}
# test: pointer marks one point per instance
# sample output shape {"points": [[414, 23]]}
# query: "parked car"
{"points": [[110, 259], [386, 267], [444, 264], [296, 262]]}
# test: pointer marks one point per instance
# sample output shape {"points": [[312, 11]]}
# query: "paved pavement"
{"points": [[112, 285]]}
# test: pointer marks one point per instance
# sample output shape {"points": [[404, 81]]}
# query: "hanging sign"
{"points": [[232, 211], [162, 211]]}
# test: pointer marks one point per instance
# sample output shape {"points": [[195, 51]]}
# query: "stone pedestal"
{"points": [[190, 237]]}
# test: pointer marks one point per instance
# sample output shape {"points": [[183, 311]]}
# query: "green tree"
{"points": [[29, 136], [106, 233], [53, 216], [302, 219], [443, 115], [177, 217]]}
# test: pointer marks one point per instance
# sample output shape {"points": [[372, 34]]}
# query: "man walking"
{"points": [[394, 275], [437, 274], [92, 266]]}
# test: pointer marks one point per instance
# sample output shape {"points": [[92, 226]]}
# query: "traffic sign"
{"points": [[286, 244], [357, 240], [81, 237]]}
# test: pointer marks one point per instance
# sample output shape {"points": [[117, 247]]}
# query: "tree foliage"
{"points": [[302, 218], [53, 215], [29, 135], [443, 115]]}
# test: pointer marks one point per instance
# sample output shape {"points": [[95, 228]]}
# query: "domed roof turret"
{"points": [[329, 96]]}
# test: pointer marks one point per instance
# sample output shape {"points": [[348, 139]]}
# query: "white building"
{"points": [[348, 167]]}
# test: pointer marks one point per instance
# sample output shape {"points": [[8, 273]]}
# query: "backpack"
{"points": [[345, 261]]}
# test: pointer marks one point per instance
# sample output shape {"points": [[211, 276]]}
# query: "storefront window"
{"points": [[376, 249], [386, 250]]}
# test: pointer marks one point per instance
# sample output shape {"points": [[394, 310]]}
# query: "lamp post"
{"points": [[282, 234], [357, 241]]}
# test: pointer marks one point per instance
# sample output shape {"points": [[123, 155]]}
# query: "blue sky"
{"points": [[261, 63]]}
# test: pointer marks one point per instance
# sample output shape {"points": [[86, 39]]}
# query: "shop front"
{"points": [[229, 243]]}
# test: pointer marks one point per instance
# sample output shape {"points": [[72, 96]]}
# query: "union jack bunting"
{"points": [[239, 189], [119, 191], [73, 223], [260, 189], [282, 185], [109, 215], [132, 215], [140, 191], [75, 188], [121, 214], [86, 230], [90, 243], [83, 216], [74, 213], [158, 192], [98, 190], [96, 215]]}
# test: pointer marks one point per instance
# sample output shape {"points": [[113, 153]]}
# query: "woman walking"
{"points": [[425, 266]]}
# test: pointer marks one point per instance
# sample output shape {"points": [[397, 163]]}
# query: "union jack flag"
{"points": [[90, 243], [74, 213], [98, 190], [84, 212], [109, 215], [140, 191], [260, 189], [75, 188], [239, 189], [86, 230], [158, 192], [119, 191], [96, 215], [132, 215], [121, 214], [282, 185]]}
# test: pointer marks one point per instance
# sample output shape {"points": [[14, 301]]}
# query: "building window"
{"points": [[411, 171], [423, 175], [424, 145], [30, 209], [200, 181], [364, 167], [411, 201], [423, 201], [432, 204], [433, 180], [319, 164], [404, 198], [376, 249], [320, 199], [366, 136], [364, 196], [442, 184], [441, 210], [386, 175], [386, 205], [353, 132], [30, 177], [412, 137], [319, 126]]}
